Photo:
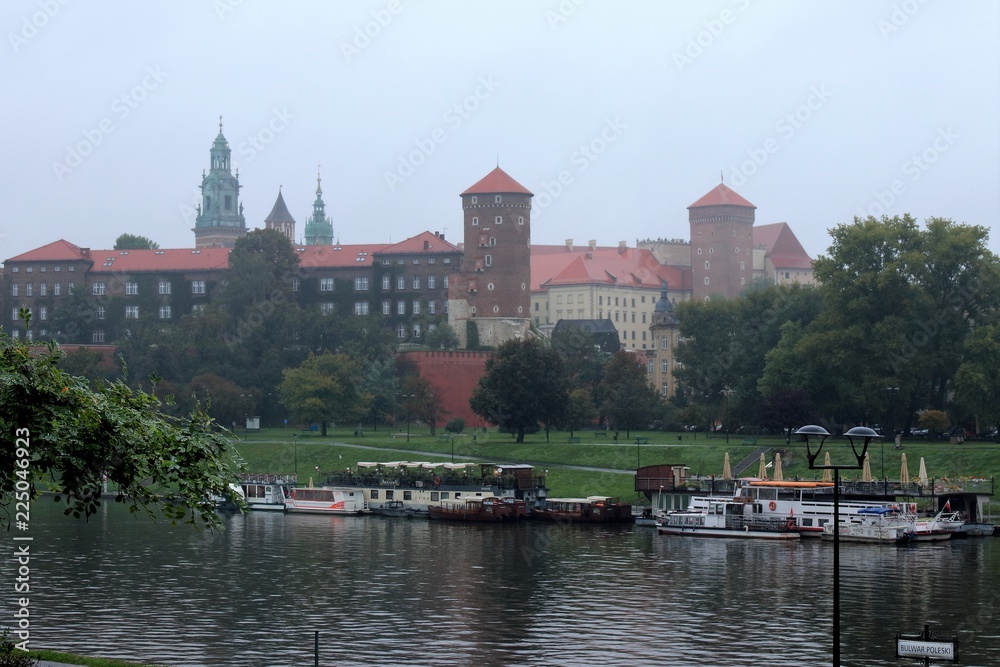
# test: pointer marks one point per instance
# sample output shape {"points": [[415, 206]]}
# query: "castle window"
{"points": [[498, 199], [475, 199], [706, 265], [400, 333], [416, 282], [444, 282], [131, 288], [295, 286], [325, 308], [699, 251], [490, 287], [386, 307], [99, 289], [431, 282], [360, 307], [743, 281], [401, 282], [229, 202], [361, 284], [520, 219], [98, 336], [711, 251], [326, 284], [164, 312], [164, 287], [43, 289], [57, 289], [99, 313], [208, 203], [29, 290], [499, 220], [493, 241], [489, 260], [475, 221], [42, 313], [432, 307], [386, 282], [416, 306], [743, 265], [706, 280], [496, 309], [131, 312], [416, 261], [401, 307], [665, 365], [14, 290], [416, 331], [663, 343]]}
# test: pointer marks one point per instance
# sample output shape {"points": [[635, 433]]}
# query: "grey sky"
{"points": [[814, 111]]}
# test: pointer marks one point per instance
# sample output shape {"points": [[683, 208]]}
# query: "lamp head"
{"points": [[813, 434]]}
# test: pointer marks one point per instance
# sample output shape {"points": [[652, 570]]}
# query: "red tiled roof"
{"points": [[329, 256], [631, 268], [416, 244], [57, 251], [497, 182], [722, 195], [782, 246], [176, 259]]}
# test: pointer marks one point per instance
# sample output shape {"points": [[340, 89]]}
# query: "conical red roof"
{"points": [[497, 182], [722, 195]]}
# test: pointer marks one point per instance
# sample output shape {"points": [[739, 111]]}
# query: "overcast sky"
{"points": [[617, 115]]}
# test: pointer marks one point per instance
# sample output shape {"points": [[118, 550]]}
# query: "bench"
{"points": [[444, 438], [572, 439], [750, 441], [639, 440]]}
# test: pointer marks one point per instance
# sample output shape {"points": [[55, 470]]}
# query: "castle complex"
{"points": [[493, 286]]}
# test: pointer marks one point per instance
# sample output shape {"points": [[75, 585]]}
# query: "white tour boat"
{"points": [[728, 518], [266, 492], [326, 500], [887, 524]]}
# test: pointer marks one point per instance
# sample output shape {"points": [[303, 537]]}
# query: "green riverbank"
{"points": [[596, 465]]}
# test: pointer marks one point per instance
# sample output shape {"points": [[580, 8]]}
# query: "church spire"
{"points": [[220, 219], [319, 228]]}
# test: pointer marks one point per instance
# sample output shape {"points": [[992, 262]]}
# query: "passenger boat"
{"points": [[326, 500], [421, 485], [728, 518], [592, 509], [882, 525], [483, 509], [266, 492]]}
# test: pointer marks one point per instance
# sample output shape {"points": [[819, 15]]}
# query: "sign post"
{"points": [[927, 646]]}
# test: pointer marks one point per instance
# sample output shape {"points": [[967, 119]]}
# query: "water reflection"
{"points": [[394, 591]]}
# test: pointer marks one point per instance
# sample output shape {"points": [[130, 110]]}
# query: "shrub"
{"points": [[456, 425]]}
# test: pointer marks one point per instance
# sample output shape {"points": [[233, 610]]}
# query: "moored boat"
{"points": [[941, 526], [396, 508], [326, 500], [263, 492], [879, 525], [728, 518], [482, 509], [592, 509]]}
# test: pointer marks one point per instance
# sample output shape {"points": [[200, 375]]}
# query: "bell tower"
{"points": [[319, 228], [220, 218]]}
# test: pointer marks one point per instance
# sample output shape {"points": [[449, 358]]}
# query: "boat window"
{"points": [[435, 495], [407, 495], [807, 522], [444, 495], [388, 494], [374, 494]]}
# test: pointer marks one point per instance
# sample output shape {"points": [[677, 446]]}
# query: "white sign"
{"points": [[919, 648]]}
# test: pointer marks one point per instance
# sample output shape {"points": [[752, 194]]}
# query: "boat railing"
{"points": [[764, 523], [915, 489], [260, 478]]}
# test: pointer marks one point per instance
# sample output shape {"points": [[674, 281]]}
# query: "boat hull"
{"points": [[702, 531]]}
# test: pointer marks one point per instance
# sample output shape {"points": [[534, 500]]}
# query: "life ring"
{"points": [[772, 506], [790, 524], [437, 481]]}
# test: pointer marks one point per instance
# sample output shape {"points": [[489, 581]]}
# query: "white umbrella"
{"points": [[923, 473], [904, 471], [778, 475], [866, 470], [762, 472], [727, 472], [827, 474]]}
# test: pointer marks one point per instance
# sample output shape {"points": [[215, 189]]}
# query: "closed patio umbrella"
{"points": [[923, 473], [904, 471], [762, 472], [827, 474], [866, 470], [778, 475], [727, 472]]}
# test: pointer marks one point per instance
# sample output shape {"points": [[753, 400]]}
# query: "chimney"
{"points": [[622, 247], [593, 244], [569, 245], [427, 245]]}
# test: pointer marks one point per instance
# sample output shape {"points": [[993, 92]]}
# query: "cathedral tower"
{"points": [[721, 243], [319, 228], [280, 220], [220, 217]]}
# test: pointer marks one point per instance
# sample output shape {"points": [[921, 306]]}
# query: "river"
{"points": [[386, 591]]}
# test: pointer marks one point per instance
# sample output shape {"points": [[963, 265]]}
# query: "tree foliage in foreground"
{"points": [[76, 438], [524, 384]]}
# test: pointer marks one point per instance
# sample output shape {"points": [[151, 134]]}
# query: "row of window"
{"points": [[497, 220], [361, 283], [42, 269], [416, 260], [402, 331]]}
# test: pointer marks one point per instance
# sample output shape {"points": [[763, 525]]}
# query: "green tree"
{"points": [[325, 388], [225, 401], [978, 380], [580, 409], [935, 421], [442, 337], [525, 383], [424, 401], [133, 242], [78, 438], [626, 398], [89, 363]]}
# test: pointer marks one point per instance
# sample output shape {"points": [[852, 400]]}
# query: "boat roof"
{"points": [[878, 510]]}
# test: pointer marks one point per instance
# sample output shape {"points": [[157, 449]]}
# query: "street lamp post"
{"points": [[820, 433], [892, 432], [295, 452], [727, 392]]}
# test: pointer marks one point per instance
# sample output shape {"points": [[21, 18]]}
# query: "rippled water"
{"points": [[395, 591]]}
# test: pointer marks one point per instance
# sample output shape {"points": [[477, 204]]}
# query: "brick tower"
{"points": [[496, 267], [721, 243]]}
